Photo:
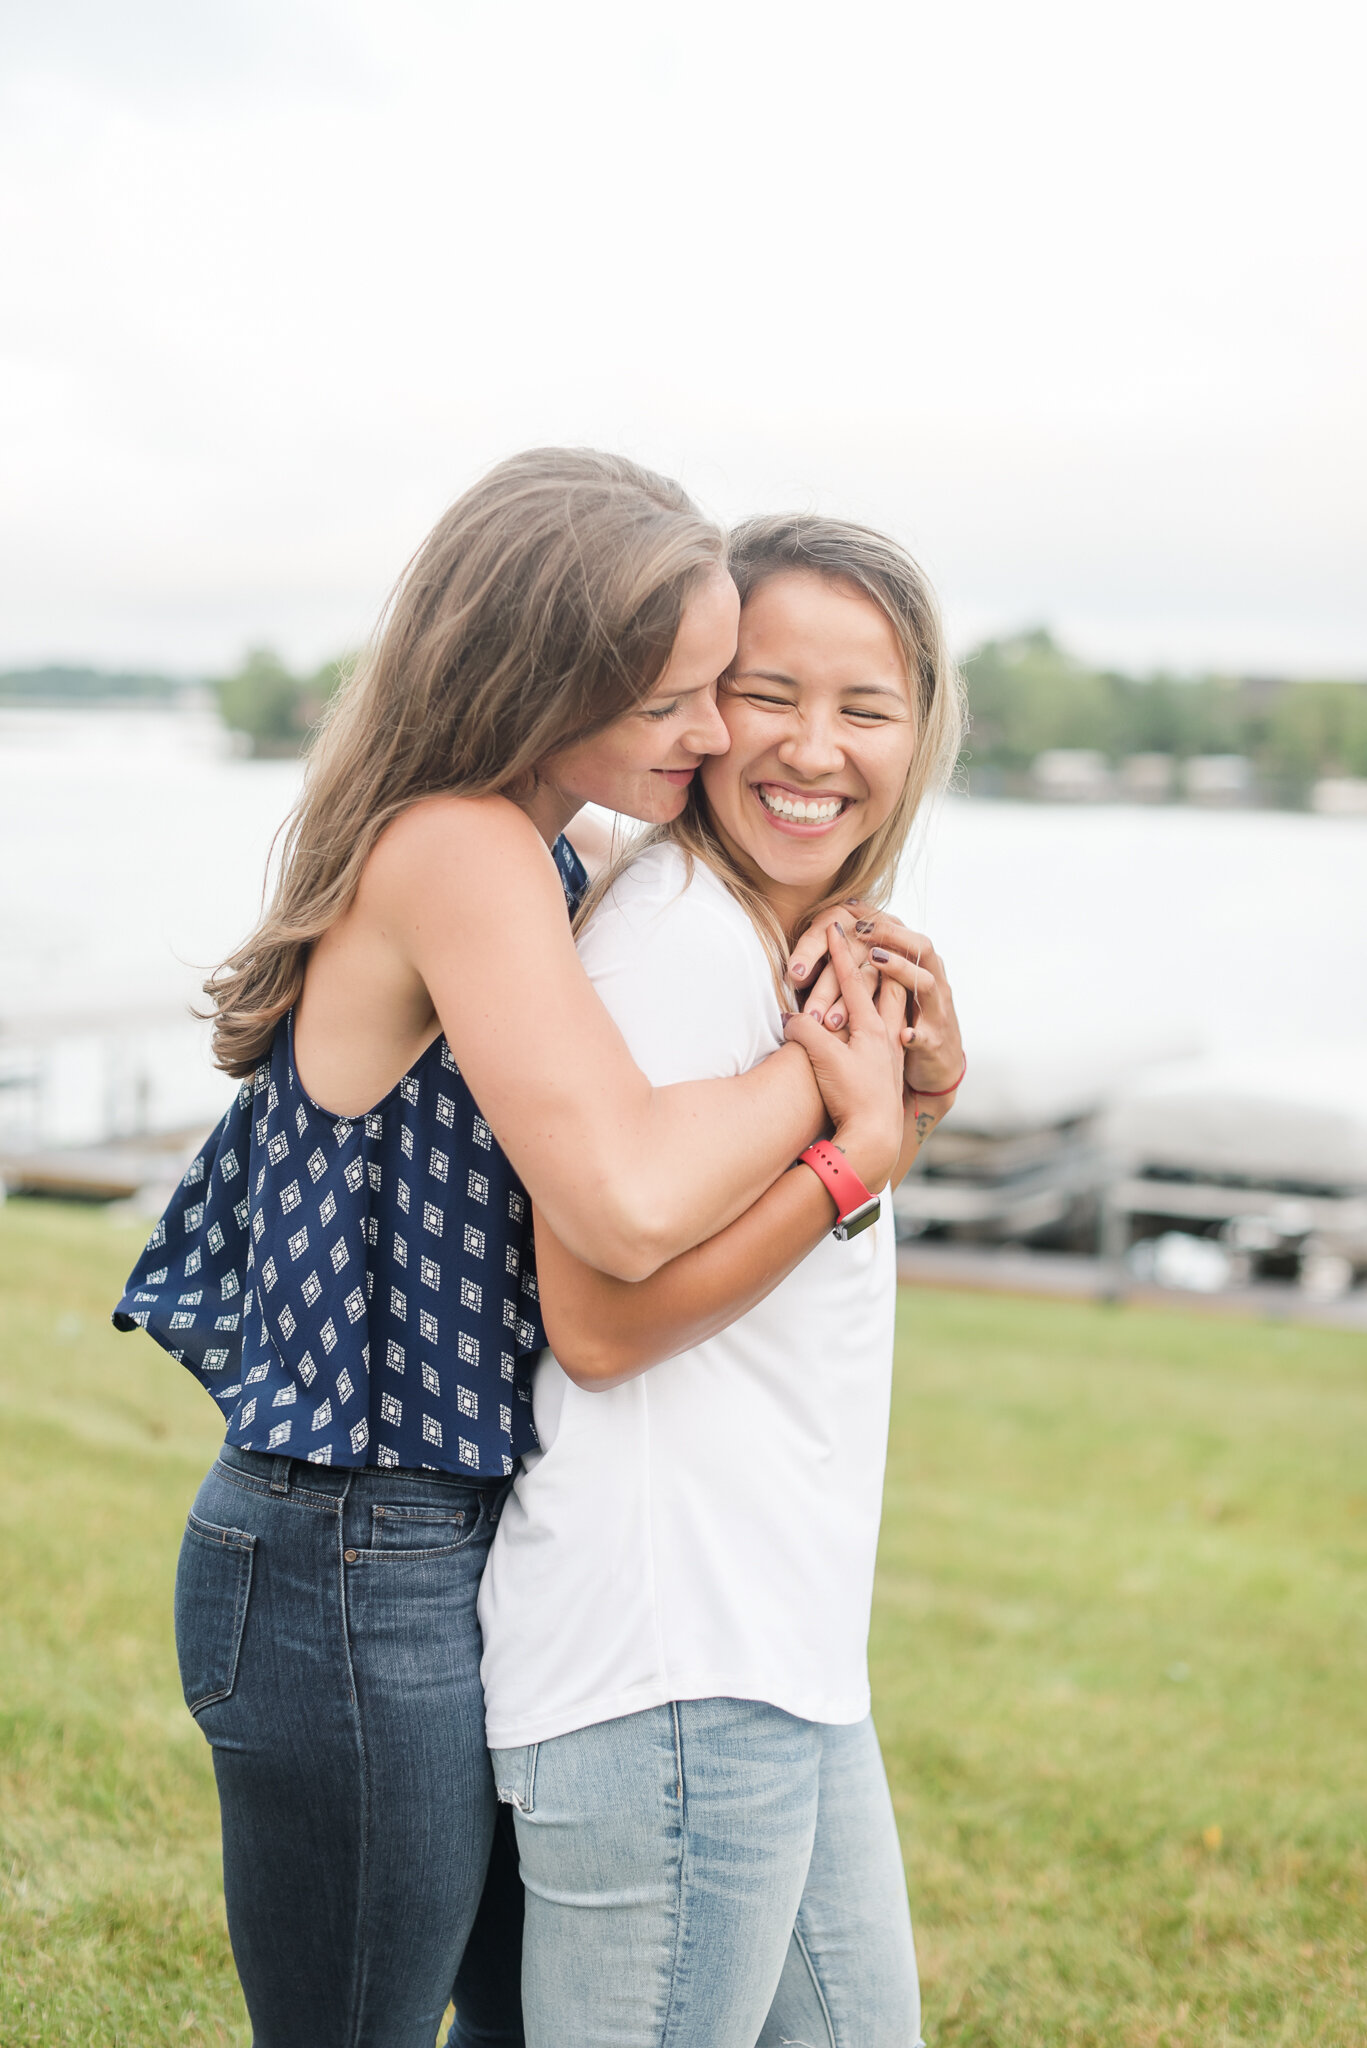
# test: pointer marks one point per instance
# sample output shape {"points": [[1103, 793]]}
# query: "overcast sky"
{"points": [[1069, 295]]}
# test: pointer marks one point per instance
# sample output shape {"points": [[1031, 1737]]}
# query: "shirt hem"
{"points": [[840, 1711]]}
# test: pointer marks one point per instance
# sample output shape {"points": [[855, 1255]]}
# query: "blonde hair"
{"points": [[542, 606], [877, 568]]}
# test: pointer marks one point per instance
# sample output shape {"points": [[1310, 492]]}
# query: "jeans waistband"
{"points": [[289, 1475]]}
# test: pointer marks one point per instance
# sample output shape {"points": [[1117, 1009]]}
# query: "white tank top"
{"points": [[708, 1529]]}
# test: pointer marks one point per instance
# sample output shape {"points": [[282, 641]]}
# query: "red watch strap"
{"points": [[839, 1178]]}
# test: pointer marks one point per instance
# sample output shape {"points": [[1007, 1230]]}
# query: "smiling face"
{"points": [[818, 706], [643, 763]]}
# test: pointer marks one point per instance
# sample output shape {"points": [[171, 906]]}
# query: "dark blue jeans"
{"points": [[329, 1649]]}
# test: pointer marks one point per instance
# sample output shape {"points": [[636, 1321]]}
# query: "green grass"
{"points": [[111, 1917], [1120, 1668], [1120, 1658]]}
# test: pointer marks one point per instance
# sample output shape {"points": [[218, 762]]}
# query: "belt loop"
{"points": [[280, 1484]]}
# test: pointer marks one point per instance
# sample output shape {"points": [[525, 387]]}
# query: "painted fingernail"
{"points": [[864, 927], [798, 971], [840, 928], [786, 1016], [879, 953], [836, 1019], [815, 1015]]}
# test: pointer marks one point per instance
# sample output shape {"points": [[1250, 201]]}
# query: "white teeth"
{"points": [[802, 810]]}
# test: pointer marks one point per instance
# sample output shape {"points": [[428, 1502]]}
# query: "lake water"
{"points": [[132, 847]]}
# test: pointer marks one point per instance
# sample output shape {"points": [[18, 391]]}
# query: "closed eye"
{"points": [[856, 711], [656, 712]]}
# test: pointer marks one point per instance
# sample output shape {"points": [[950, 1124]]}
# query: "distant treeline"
{"points": [[276, 709], [1027, 694], [57, 685], [262, 699]]}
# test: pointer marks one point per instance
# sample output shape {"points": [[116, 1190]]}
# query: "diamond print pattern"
{"points": [[308, 1328]]}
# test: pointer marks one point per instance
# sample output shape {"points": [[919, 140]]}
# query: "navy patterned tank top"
{"points": [[354, 1290]]}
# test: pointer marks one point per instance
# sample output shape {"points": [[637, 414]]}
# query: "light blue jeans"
{"points": [[711, 1874]]}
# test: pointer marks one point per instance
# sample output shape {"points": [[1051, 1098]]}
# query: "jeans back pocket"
{"points": [[213, 1581]]}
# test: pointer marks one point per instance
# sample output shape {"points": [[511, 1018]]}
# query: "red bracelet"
{"points": [[943, 1091]]}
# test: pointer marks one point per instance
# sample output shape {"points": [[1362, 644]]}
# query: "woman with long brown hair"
{"points": [[348, 1266]]}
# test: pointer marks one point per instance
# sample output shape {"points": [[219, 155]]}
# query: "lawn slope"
{"points": [[1120, 1654], [1120, 1664]]}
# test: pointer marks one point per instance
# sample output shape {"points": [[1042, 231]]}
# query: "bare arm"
{"points": [[625, 1175], [604, 1331]]}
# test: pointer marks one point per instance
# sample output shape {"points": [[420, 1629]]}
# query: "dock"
{"points": [[143, 1170]]}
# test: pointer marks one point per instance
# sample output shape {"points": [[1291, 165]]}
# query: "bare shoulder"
{"points": [[464, 845], [438, 824]]}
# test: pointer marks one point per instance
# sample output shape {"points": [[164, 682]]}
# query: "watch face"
{"points": [[858, 1219]]}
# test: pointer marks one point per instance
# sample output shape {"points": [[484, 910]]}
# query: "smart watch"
{"points": [[855, 1207]]}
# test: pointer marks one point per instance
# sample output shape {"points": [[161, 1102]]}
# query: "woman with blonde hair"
{"points": [[348, 1267], [676, 1604]]}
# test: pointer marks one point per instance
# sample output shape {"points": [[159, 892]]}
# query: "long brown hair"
{"points": [[542, 606], [878, 569]]}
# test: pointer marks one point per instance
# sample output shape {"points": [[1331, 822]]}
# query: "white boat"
{"points": [[1264, 1152], [1021, 1158]]}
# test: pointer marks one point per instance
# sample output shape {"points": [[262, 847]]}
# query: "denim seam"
{"points": [[363, 1878], [419, 1511], [821, 1998], [667, 2031], [298, 1496], [410, 1556], [408, 1514], [215, 1532], [506, 1792], [245, 1546]]}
